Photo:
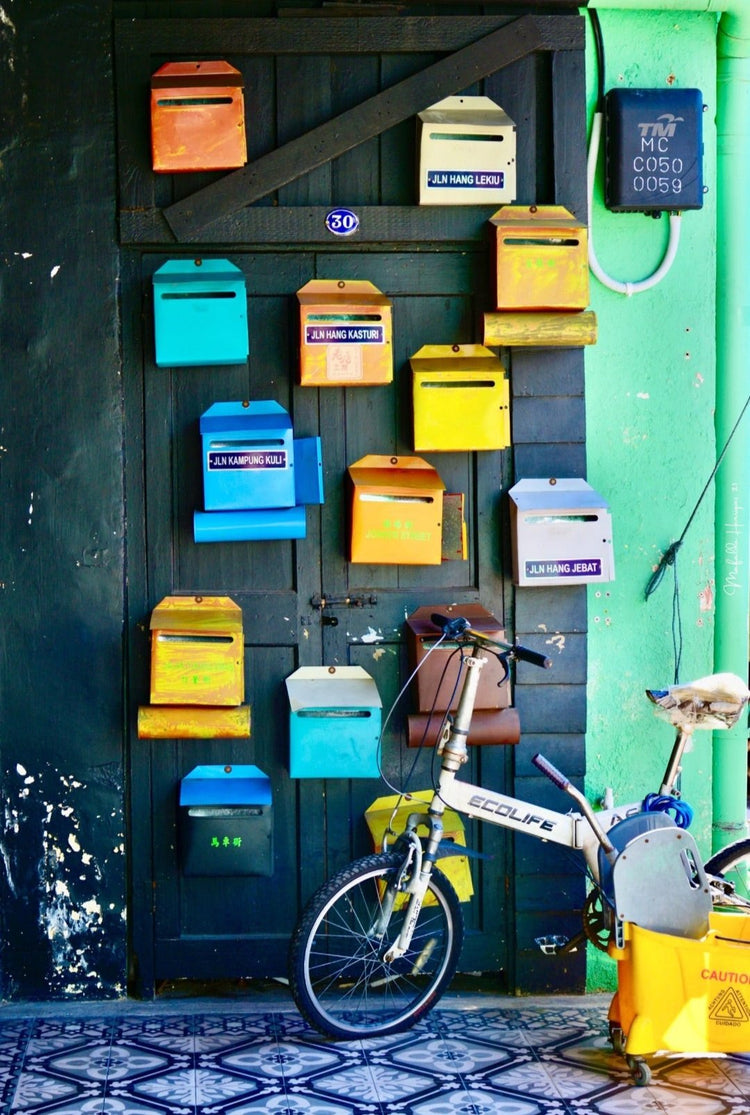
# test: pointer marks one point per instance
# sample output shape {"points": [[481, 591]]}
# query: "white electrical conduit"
{"points": [[675, 222]]}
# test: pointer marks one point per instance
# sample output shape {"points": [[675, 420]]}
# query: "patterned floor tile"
{"points": [[542, 1058]]}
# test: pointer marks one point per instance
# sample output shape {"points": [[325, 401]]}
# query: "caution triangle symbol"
{"points": [[729, 1007]]}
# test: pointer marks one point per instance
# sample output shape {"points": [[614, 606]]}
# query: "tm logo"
{"points": [[663, 127]]}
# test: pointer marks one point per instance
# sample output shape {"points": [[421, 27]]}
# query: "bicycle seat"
{"points": [[712, 702]]}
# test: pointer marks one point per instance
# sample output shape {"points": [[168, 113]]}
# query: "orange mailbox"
{"points": [[541, 254], [396, 511], [197, 117], [345, 334]]}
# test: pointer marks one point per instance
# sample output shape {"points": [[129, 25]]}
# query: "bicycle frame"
{"points": [[585, 831]]}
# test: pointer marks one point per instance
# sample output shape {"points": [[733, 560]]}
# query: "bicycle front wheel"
{"points": [[733, 865], [338, 976]]}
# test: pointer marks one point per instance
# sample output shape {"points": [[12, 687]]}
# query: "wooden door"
{"points": [[433, 262]]}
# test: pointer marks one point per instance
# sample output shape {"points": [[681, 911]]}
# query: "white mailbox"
{"points": [[561, 532], [467, 153]]}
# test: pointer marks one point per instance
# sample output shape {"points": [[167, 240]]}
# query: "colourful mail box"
{"points": [[197, 651], [197, 117], [334, 723], [437, 663], [345, 334], [226, 821], [396, 511], [391, 812], [200, 313], [541, 259], [467, 153], [460, 399], [561, 533], [248, 456]]}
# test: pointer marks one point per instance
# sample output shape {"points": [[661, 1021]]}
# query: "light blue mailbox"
{"points": [[334, 722], [200, 313], [248, 456]]}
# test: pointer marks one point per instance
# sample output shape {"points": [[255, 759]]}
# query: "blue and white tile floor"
{"points": [[473, 1055]]}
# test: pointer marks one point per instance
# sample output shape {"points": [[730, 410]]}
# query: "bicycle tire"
{"points": [[338, 979], [733, 864]]}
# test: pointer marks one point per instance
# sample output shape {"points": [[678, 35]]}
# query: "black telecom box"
{"points": [[654, 150]]}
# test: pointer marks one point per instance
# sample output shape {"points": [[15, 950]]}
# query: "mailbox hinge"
{"points": [[323, 600]]}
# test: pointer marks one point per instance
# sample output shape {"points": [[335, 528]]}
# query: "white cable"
{"points": [[675, 223]]}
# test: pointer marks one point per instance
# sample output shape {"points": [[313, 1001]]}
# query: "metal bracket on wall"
{"points": [[323, 600]]}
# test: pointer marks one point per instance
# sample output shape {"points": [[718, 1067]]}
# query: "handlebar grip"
{"points": [[532, 656], [450, 627], [551, 771]]}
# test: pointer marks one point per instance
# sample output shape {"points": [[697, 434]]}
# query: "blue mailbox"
{"points": [[200, 313], [248, 456]]}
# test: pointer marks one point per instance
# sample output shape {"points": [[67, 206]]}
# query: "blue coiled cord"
{"points": [[681, 812]]}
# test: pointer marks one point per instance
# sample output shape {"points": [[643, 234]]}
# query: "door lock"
{"points": [[323, 600]]}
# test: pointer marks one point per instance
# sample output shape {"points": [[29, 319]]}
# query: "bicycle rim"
{"points": [[733, 864], [338, 977]]}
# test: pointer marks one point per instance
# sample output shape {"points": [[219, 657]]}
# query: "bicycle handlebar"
{"points": [[454, 628]]}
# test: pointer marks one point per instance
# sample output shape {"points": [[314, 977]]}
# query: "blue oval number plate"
{"points": [[342, 222]]}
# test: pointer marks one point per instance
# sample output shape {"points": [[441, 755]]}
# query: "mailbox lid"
{"points": [[200, 313], [541, 258], [197, 614], [467, 148], [460, 399], [197, 117], [563, 495], [345, 334], [330, 687], [225, 785]]}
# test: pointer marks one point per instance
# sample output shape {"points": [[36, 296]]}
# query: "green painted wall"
{"points": [[650, 392]]}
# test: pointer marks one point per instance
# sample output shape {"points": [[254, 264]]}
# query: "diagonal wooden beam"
{"points": [[450, 75]]}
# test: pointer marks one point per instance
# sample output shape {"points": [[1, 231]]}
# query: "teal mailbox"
{"points": [[200, 313], [334, 722], [226, 821]]}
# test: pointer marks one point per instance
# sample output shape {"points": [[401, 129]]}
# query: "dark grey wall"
{"points": [[62, 877]]}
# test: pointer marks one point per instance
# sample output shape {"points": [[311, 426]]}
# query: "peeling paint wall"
{"points": [[62, 875], [650, 391]]}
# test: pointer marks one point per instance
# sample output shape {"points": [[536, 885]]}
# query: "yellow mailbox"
{"points": [[345, 334], [460, 399], [197, 652], [541, 259]]}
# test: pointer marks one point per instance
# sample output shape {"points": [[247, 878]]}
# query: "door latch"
{"points": [[323, 600]]}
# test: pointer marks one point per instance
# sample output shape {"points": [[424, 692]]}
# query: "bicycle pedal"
{"points": [[552, 944]]}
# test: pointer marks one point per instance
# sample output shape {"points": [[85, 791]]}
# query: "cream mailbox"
{"points": [[467, 153], [561, 533]]}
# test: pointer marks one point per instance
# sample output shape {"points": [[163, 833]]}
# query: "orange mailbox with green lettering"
{"points": [[541, 259], [345, 334], [396, 511]]}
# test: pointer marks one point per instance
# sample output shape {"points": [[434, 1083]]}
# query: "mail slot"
{"points": [[561, 533], [226, 821], [334, 722], [396, 511], [541, 259], [197, 651], [345, 334], [467, 153], [200, 313], [197, 117], [460, 399]]}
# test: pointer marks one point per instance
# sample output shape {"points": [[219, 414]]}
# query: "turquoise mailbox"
{"points": [[334, 722], [200, 313], [248, 456], [226, 821]]}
